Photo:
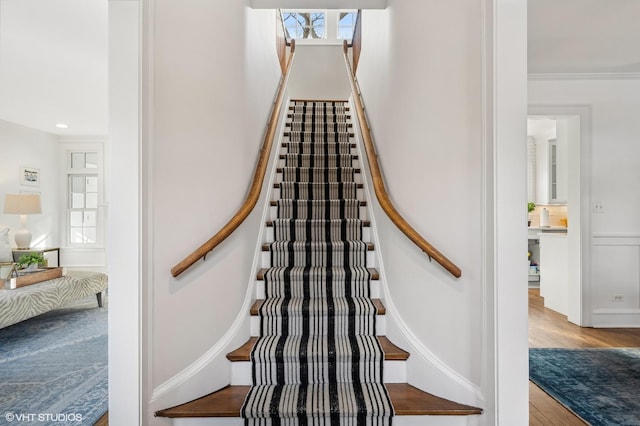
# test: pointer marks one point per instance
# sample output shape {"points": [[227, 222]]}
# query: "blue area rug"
{"points": [[601, 386], [53, 368]]}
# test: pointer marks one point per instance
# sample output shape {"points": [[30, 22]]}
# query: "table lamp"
{"points": [[23, 205]]}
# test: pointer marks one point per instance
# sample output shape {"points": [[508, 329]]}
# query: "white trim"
{"points": [[584, 111], [616, 318], [506, 108], [487, 213], [624, 311], [126, 288], [584, 76], [615, 239]]}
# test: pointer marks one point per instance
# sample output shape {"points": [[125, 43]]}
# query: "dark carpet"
{"points": [[53, 368], [601, 386]]}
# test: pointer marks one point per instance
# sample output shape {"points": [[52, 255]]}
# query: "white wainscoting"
{"points": [[83, 259], [615, 275]]}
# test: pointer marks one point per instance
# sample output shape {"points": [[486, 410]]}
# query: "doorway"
{"points": [[561, 184]]}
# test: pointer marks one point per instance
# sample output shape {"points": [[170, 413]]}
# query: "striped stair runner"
{"points": [[317, 360]]}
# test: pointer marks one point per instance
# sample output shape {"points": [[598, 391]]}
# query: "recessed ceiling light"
{"points": [[61, 126]]}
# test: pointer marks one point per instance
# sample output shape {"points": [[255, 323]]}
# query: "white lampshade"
{"points": [[23, 205]]}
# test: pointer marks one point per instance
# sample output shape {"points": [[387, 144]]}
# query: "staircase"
{"points": [[319, 350]]}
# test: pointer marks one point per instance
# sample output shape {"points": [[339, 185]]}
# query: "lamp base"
{"points": [[23, 238]]}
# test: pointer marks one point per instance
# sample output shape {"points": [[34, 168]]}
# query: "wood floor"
{"points": [[549, 329], [103, 421]]}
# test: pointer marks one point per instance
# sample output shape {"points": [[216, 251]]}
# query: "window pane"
{"points": [[92, 201], [346, 22], [317, 21], [90, 235], [92, 160], [75, 218], [92, 184], [345, 33], [76, 235], [77, 201], [77, 184], [90, 218], [346, 19], [77, 160]]}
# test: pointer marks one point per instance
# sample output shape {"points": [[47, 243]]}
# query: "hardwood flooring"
{"points": [[103, 421], [549, 329]]}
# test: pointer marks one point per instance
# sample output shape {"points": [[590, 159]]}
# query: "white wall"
{"points": [[213, 74], [423, 99], [319, 73], [435, 83], [22, 146], [614, 172]]}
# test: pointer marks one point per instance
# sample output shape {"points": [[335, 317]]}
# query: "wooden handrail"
{"points": [[256, 185], [378, 182]]}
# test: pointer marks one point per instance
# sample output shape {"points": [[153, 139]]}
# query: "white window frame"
{"points": [[553, 172], [100, 210], [321, 40]]}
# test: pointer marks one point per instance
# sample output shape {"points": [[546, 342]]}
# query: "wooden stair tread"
{"points": [[375, 275], [391, 351], [265, 247], [255, 308], [225, 402], [407, 400]]}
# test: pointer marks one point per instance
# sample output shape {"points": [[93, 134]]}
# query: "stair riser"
{"points": [[273, 213], [266, 259], [381, 326], [284, 151], [357, 178], [374, 288], [270, 237], [282, 163], [394, 372], [276, 194]]}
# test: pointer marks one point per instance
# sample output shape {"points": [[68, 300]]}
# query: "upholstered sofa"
{"points": [[25, 302]]}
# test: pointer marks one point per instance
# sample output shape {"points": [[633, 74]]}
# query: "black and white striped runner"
{"points": [[317, 361]]}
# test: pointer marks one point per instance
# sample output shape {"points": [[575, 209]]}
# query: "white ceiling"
{"points": [[53, 65], [53, 54]]}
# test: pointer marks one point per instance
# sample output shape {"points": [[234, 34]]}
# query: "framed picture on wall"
{"points": [[29, 176]]}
